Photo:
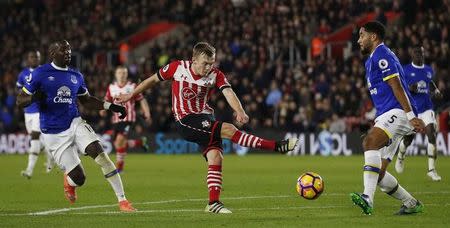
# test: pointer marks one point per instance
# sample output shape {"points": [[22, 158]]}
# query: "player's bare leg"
{"points": [[430, 131], [400, 162], [95, 151], [214, 182], [120, 143], [72, 179], [33, 154], [229, 131]]}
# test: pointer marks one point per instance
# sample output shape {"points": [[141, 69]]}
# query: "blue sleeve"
{"points": [[32, 83], [20, 81], [387, 66], [82, 91]]}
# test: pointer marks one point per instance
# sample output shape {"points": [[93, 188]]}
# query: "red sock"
{"points": [[214, 181], [252, 141], [121, 153]]}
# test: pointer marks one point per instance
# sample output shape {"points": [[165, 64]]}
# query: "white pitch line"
{"points": [[56, 211]]}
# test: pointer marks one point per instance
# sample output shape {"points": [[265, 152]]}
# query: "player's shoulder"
{"points": [[217, 71], [25, 71], [74, 70]]}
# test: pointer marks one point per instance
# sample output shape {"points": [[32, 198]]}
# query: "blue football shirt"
{"points": [[22, 79], [381, 66], [422, 76], [61, 86]]}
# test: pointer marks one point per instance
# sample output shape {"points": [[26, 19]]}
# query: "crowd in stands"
{"points": [[253, 39]]}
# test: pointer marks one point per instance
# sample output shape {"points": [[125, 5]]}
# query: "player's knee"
{"points": [[381, 174], [35, 135], [432, 138], [77, 176], [94, 149], [214, 157], [228, 130], [367, 143], [407, 140]]}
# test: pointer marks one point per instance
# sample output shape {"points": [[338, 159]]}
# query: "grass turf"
{"points": [[170, 191]]}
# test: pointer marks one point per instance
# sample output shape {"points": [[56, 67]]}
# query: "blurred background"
{"points": [[294, 64]]}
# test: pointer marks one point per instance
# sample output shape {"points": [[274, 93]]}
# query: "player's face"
{"points": [[121, 75], [63, 54], [365, 41], [203, 64], [33, 59], [418, 55]]}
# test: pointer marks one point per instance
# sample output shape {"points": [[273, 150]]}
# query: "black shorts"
{"points": [[202, 129], [122, 128]]}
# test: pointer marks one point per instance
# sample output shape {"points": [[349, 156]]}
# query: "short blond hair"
{"points": [[203, 48]]}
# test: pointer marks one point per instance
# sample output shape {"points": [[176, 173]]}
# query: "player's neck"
{"points": [[121, 84], [375, 46], [417, 65], [59, 66]]}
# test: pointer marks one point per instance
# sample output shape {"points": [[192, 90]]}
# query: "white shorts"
{"points": [[396, 125], [428, 117], [64, 146], [32, 122]]}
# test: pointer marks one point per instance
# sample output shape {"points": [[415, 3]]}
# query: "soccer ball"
{"points": [[310, 185]]}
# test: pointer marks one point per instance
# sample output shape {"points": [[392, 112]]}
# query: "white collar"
{"points": [[382, 43], [59, 68], [420, 67], [30, 69]]}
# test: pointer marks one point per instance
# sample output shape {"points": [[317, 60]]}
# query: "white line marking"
{"points": [[56, 211]]}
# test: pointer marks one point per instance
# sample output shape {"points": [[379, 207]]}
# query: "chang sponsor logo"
{"points": [[63, 96]]}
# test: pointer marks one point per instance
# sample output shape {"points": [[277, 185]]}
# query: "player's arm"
{"points": [[402, 98], [436, 92], [235, 104], [145, 109], [144, 85], [23, 99], [91, 102]]}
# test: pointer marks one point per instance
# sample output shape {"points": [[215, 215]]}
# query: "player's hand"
{"points": [[120, 109], [418, 125], [241, 118], [437, 94], [122, 98]]}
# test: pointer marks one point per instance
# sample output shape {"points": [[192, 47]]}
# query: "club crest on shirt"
{"points": [[188, 93], [73, 79], [428, 75], [28, 78]]}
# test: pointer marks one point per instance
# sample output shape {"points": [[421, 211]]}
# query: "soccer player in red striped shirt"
{"points": [[122, 126], [192, 85]]}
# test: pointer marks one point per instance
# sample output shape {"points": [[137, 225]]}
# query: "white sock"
{"points": [[390, 186], [401, 150], [33, 156], [372, 168], [50, 159], [431, 151], [111, 174]]}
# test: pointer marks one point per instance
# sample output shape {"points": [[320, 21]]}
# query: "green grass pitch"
{"points": [[170, 191]]}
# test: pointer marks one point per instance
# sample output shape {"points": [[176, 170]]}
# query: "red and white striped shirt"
{"points": [[191, 92], [114, 90]]}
